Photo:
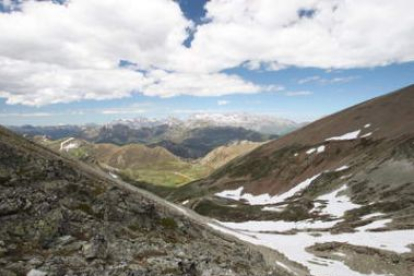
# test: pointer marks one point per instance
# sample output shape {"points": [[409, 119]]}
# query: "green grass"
{"points": [[167, 178]]}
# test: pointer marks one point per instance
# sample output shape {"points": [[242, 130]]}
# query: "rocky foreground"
{"points": [[58, 217]]}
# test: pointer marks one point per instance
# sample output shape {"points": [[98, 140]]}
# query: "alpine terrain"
{"points": [[336, 197]]}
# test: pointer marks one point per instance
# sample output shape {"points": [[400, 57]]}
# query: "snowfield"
{"points": [[67, 145], [294, 246], [293, 238], [337, 203], [265, 199]]}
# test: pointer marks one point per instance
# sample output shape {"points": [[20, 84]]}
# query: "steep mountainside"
{"points": [[336, 195], [59, 217], [368, 131], [224, 154]]}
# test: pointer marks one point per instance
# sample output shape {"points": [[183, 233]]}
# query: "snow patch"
{"points": [[35, 272], [366, 135], [342, 168], [284, 266], [265, 199], [294, 246], [321, 149], [274, 208], [185, 202], [310, 151], [279, 226], [113, 175], [367, 125], [373, 215], [337, 205], [347, 136], [66, 147], [375, 225]]}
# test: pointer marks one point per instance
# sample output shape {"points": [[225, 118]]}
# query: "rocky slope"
{"points": [[60, 217]]}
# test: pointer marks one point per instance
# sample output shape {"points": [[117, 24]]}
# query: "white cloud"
{"points": [[223, 102], [53, 53], [215, 84], [111, 111], [309, 79], [340, 34], [319, 79], [62, 53], [298, 93], [26, 115]]}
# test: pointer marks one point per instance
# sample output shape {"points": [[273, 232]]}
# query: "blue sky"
{"points": [[294, 90]]}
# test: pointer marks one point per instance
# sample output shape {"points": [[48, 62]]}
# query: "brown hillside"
{"points": [[136, 156], [276, 167]]}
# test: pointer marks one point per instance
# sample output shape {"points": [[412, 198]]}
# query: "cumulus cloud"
{"points": [[304, 33], [52, 53], [223, 102]]}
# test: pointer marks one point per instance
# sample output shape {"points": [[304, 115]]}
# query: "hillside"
{"points": [[224, 154], [154, 165], [186, 141], [340, 189], [375, 127], [60, 217], [201, 141]]}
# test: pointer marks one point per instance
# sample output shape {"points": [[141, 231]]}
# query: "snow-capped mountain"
{"points": [[261, 123]]}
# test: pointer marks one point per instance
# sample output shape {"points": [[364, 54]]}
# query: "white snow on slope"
{"points": [[367, 125], [373, 215], [366, 135], [279, 226], [113, 175], [66, 145], [284, 266], [342, 168], [346, 136], [337, 203], [294, 246], [274, 208], [264, 199], [375, 225], [319, 149]]}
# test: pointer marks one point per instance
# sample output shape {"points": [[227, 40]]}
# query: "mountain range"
{"points": [[192, 138]]}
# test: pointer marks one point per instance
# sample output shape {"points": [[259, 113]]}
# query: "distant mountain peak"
{"points": [[268, 124]]}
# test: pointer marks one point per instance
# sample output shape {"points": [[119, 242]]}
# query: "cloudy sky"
{"points": [[82, 61]]}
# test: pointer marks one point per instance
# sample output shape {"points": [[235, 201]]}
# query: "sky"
{"points": [[78, 62]]}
